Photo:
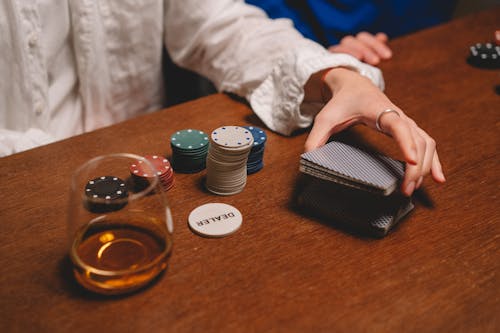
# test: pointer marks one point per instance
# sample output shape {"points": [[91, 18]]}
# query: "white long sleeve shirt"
{"points": [[71, 66]]}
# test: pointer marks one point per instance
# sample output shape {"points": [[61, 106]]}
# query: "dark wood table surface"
{"points": [[284, 271]]}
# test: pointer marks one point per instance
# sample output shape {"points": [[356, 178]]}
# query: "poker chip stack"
{"points": [[227, 159], [105, 194], [189, 150], [485, 55], [142, 173], [255, 158]]}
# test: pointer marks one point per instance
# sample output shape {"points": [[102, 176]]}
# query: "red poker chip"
{"points": [[141, 169]]}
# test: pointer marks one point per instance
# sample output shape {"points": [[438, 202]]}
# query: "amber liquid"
{"points": [[120, 255]]}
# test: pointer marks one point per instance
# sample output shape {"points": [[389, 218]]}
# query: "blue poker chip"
{"points": [[255, 158], [254, 168], [259, 136]]}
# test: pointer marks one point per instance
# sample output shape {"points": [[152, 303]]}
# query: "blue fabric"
{"points": [[327, 21]]}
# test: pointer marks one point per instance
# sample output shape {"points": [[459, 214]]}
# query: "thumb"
{"points": [[330, 120]]}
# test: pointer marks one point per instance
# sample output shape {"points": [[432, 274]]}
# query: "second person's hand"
{"points": [[365, 47]]}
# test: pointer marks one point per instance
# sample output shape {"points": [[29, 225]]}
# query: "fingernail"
{"points": [[409, 188], [387, 54], [443, 177]]}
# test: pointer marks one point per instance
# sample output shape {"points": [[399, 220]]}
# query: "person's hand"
{"points": [[354, 99], [365, 47]]}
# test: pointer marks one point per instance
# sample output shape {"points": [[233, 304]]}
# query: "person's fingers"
{"points": [[414, 172], [320, 132], [409, 183], [339, 48], [431, 163], [365, 46], [382, 37], [430, 152], [413, 147], [348, 107], [355, 45], [437, 169], [377, 45], [398, 128], [330, 120], [413, 142]]}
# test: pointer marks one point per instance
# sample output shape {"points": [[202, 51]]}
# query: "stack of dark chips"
{"points": [[485, 55], [105, 194], [255, 158], [189, 150]]}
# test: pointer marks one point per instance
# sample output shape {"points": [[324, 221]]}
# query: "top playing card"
{"points": [[351, 166]]}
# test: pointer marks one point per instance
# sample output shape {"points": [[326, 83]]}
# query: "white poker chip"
{"points": [[227, 159], [215, 220], [232, 137]]}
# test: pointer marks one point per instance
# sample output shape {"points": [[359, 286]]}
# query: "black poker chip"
{"points": [[484, 55], [105, 194]]}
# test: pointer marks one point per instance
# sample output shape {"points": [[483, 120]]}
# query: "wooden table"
{"points": [[283, 271]]}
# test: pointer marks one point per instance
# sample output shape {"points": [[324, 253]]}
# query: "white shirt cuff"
{"points": [[278, 99]]}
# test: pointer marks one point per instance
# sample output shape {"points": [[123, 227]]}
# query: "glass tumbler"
{"points": [[120, 232]]}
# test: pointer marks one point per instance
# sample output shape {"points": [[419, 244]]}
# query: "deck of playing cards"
{"points": [[354, 188]]}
